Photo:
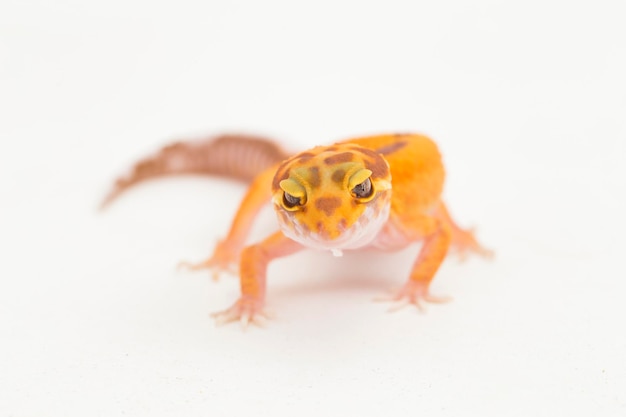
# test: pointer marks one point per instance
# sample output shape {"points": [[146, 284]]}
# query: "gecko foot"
{"points": [[464, 243], [246, 310], [216, 269], [223, 260], [413, 293]]}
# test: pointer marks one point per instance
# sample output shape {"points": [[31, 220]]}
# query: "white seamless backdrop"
{"points": [[527, 102]]}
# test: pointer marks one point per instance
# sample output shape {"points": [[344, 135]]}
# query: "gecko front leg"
{"points": [[250, 308], [227, 252], [429, 259]]}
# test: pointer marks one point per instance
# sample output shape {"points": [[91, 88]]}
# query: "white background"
{"points": [[527, 102]]}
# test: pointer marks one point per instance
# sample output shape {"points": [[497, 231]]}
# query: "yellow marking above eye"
{"points": [[292, 187], [358, 177], [294, 194]]}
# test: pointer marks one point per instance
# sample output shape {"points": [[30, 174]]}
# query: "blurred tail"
{"points": [[232, 156]]}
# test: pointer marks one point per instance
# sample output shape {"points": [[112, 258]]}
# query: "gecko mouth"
{"points": [[359, 234]]}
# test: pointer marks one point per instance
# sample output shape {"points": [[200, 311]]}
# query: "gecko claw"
{"points": [[245, 320]]}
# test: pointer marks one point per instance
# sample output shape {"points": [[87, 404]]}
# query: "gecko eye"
{"points": [[363, 190], [291, 201]]}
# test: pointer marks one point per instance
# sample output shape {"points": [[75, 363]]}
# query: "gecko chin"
{"points": [[338, 236]]}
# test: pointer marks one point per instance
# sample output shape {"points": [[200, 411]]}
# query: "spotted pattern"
{"points": [[338, 176], [314, 177], [332, 218], [339, 158], [389, 149], [328, 204]]}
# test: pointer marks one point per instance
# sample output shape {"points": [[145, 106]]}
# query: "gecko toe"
{"points": [[247, 311], [413, 293]]}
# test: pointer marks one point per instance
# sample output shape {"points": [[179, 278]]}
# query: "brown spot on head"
{"points": [[338, 176], [314, 180], [339, 158], [376, 164], [328, 204], [282, 173], [394, 147], [303, 157]]}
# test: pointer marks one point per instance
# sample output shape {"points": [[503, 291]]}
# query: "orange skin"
{"points": [[404, 206]]}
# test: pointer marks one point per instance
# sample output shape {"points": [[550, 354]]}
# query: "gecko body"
{"points": [[381, 192]]}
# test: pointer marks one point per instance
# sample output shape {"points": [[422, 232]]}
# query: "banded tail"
{"points": [[233, 156]]}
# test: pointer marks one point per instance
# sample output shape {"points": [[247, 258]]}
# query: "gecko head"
{"points": [[334, 197]]}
